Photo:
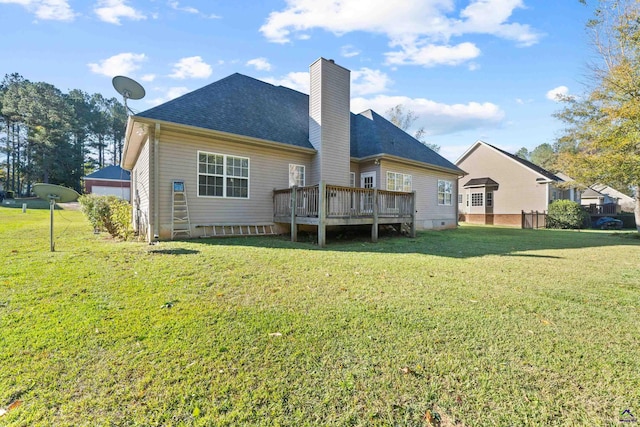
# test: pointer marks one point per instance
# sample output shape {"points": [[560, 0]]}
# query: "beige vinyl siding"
{"points": [[269, 170], [518, 189], [425, 184], [330, 122], [140, 190]]}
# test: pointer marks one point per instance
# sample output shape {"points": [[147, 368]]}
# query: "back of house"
{"points": [[230, 144]]}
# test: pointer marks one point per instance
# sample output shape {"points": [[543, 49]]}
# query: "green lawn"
{"points": [[485, 326]]}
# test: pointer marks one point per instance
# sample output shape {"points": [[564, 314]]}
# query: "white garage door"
{"points": [[123, 193]]}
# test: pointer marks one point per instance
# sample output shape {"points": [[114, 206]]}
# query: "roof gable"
{"points": [[372, 134], [245, 106], [525, 163]]}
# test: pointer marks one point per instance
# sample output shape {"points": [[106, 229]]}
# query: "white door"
{"points": [[367, 180]]}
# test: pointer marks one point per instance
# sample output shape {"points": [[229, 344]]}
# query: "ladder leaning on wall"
{"points": [[180, 223]]}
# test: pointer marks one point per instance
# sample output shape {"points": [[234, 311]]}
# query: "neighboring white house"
{"points": [[230, 144], [600, 194], [109, 181]]}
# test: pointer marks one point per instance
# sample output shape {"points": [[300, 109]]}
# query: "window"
{"points": [[476, 199], [459, 199], [296, 175], [398, 182], [352, 179], [220, 175], [445, 192], [489, 200]]}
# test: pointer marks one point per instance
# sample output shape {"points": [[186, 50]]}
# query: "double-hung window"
{"points": [[221, 175], [296, 175], [445, 192], [398, 182]]}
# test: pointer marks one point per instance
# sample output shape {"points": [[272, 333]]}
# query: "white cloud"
{"points": [[296, 80], [171, 93], [349, 51], [363, 82], [51, 10], [190, 9], [112, 10], [432, 55], [260, 64], [422, 28], [191, 67], [556, 94], [148, 77], [120, 64], [367, 81], [437, 118]]}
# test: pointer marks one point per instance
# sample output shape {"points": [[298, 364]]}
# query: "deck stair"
{"points": [[235, 230]]}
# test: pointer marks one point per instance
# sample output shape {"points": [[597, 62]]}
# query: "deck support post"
{"points": [[413, 214], [322, 214], [294, 204], [374, 226]]}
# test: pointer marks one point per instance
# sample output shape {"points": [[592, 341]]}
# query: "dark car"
{"points": [[608, 223]]}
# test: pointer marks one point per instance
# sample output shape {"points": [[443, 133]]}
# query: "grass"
{"points": [[485, 326]]}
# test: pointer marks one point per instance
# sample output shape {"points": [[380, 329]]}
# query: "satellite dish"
{"points": [[54, 193], [128, 88]]}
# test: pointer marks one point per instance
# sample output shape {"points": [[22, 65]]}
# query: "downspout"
{"points": [[156, 190], [546, 202]]}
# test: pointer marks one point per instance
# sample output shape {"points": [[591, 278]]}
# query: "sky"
{"points": [[469, 69]]}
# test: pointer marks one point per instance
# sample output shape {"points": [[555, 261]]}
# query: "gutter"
{"points": [[156, 189]]}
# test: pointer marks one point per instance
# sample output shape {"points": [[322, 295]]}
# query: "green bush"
{"points": [[108, 213], [567, 214]]}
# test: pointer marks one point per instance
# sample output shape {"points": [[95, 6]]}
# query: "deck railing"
{"points": [[342, 202], [324, 205], [606, 209]]}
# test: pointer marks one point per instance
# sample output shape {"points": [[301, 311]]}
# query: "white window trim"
{"points": [[352, 179], [224, 175], [481, 197], [304, 174], [444, 193], [403, 177]]}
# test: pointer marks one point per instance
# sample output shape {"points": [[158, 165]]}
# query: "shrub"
{"points": [[108, 213], [567, 214]]}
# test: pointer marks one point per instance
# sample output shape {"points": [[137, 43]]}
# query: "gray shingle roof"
{"points": [[481, 182], [113, 173], [372, 134], [242, 105]]}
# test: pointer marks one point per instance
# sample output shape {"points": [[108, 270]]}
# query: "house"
{"points": [[247, 153], [109, 181], [600, 195], [500, 185]]}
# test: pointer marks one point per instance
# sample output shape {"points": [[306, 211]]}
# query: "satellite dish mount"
{"points": [[54, 194], [129, 89]]}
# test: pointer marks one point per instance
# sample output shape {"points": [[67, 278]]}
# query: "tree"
{"points": [[544, 156], [600, 141], [523, 153], [404, 120]]}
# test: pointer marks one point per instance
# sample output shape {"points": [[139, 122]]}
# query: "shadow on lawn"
{"points": [[177, 251], [463, 242]]}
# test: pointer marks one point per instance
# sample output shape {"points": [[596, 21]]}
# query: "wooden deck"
{"points": [[325, 205], [607, 209]]}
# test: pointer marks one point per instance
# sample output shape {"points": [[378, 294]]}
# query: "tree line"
{"points": [[54, 137]]}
